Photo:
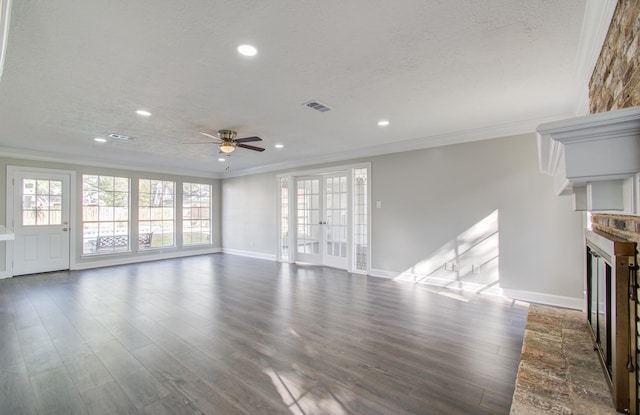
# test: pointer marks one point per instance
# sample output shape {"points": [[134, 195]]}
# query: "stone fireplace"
{"points": [[596, 160]]}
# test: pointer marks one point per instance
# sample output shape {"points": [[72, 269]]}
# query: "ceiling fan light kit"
{"points": [[227, 141], [227, 148]]}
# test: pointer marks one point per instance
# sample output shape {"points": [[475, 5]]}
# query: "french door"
{"points": [[322, 214], [40, 221]]}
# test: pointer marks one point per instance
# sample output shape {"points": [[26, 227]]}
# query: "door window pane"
{"points": [[335, 215], [308, 215], [41, 202], [284, 218], [360, 219]]}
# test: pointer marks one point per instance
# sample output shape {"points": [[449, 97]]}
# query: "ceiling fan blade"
{"points": [[247, 140], [210, 136], [248, 147]]}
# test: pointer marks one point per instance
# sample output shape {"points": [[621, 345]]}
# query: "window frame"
{"points": [[184, 219], [174, 217], [98, 251]]}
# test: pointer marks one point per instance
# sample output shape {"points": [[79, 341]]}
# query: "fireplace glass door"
{"points": [[599, 294]]}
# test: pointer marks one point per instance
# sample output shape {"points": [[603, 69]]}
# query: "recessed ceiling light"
{"points": [[100, 140], [247, 50], [279, 146], [221, 159], [383, 123], [144, 113]]}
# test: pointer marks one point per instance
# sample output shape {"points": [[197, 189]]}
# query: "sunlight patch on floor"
{"points": [[300, 399]]}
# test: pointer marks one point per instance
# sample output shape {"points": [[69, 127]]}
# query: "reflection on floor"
{"points": [[223, 334]]}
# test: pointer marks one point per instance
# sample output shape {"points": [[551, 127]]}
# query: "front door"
{"points": [[40, 222], [322, 220]]}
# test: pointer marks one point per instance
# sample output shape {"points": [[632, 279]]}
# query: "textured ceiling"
{"points": [[76, 70]]}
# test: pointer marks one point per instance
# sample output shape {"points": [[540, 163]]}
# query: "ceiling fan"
{"points": [[227, 141]]}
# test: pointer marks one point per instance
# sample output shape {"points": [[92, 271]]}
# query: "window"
{"points": [[196, 214], [41, 202], [105, 214], [156, 209], [284, 219], [360, 219]]}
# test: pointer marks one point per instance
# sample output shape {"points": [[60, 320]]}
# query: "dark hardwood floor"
{"points": [[223, 334]]}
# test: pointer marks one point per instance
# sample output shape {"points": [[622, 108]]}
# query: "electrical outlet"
{"points": [[475, 268], [450, 266]]}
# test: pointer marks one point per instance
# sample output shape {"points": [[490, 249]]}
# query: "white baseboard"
{"points": [[108, 262], [4, 275], [250, 254], [546, 299], [383, 273], [528, 296]]}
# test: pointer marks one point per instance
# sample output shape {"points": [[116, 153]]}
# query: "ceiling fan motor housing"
{"points": [[227, 135]]}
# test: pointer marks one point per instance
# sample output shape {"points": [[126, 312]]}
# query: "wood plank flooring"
{"points": [[222, 334]]}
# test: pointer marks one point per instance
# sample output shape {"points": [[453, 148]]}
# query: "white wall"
{"points": [[429, 197]]}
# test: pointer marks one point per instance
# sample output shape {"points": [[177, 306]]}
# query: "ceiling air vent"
{"points": [[120, 137], [317, 105]]}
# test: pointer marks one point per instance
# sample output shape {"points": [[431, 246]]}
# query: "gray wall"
{"points": [[429, 198], [80, 170], [249, 211]]}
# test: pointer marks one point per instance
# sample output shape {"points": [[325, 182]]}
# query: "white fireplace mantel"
{"points": [[595, 158]]}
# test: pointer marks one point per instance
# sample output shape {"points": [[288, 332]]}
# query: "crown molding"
{"points": [[600, 126], [438, 140], [5, 16], [35, 155], [595, 26]]}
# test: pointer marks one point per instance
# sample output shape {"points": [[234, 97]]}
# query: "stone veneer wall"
{"points": [[622, 226], [615, 84]]}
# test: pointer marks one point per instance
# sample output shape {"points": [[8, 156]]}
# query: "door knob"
{"points": [[65, 229]]}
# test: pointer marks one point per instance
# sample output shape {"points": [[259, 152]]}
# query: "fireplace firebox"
{"points": [[612, 313]]}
